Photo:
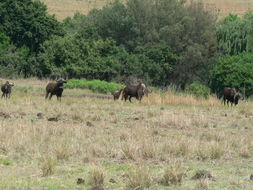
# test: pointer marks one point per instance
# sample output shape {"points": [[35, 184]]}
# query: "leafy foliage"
{"points": [[235, 34], [75, 56], [234, 71], [198, 90]]}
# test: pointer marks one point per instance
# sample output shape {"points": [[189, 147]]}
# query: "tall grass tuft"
{"points": [[174, 174], [96, 176], [47, 166], [138, 178]]}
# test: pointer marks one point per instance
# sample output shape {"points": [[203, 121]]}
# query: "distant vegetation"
{"points": [[159, 42]]}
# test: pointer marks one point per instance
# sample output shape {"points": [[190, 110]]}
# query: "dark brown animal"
{"points": [[116, 94], [55, 88], [137, 91], [231, 95], [6, 89]]}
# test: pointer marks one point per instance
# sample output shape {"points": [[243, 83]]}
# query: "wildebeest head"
{"points": [[147, 91], [237, 96], [61, 81], [144, 88], [8, 84]]}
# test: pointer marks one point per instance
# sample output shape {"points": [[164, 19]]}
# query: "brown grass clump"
{"points": [[138, 178], [129, 150], [173, 175], [216, 151], [96, 176], [202, 185], [47, 166]]}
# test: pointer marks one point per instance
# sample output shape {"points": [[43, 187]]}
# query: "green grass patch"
{"points": [[94, 85], [5, 162]]}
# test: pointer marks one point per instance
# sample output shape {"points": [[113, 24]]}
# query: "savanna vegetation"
{"points": [[172, 140], [169, 141]]}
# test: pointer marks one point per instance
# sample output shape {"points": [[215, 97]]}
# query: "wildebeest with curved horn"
{"points": [[55, 88], [231, 95], [6, 89], [137, 91]]}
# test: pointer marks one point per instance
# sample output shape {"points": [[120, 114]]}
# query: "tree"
{"points": [[115, 21], [14, 61], [27, 23], [235, 34]]}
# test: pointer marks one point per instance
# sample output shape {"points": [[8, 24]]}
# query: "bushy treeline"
{"points": [[161, 42]]}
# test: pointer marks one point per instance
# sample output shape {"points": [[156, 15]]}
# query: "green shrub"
{"points": [[94, 85], [198, 90]]}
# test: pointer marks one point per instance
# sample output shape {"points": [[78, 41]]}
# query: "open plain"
{"points": [[168, 141], [67, 8]]}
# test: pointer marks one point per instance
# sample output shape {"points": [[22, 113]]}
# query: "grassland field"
{"points": [[164, 143], [67, 8]]}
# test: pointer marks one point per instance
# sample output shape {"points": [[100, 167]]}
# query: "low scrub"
{"points": [[94, 85]]}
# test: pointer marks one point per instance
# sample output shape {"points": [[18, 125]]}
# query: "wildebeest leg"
{"points": [[125, 97], [3, 95], [224, 101], [50, 96], [130, 99], [46, 95], [59, 98]]}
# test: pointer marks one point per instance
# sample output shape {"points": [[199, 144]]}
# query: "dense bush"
{"points": [[198, 90], [234, 71], [94, 85]]}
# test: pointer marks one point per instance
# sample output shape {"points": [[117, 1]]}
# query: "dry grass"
{"points": [[67, 8], [160, 129]]}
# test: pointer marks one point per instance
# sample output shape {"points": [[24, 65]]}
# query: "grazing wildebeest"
{"points": [[116, 94], [55, 88], [231, 95], [6, 89], [137, 91]]}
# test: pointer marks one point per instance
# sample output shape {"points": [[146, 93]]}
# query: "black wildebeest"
{"points": [[116, 94], [137, 91], [55, 88], [231, 95], [6, 89]]}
